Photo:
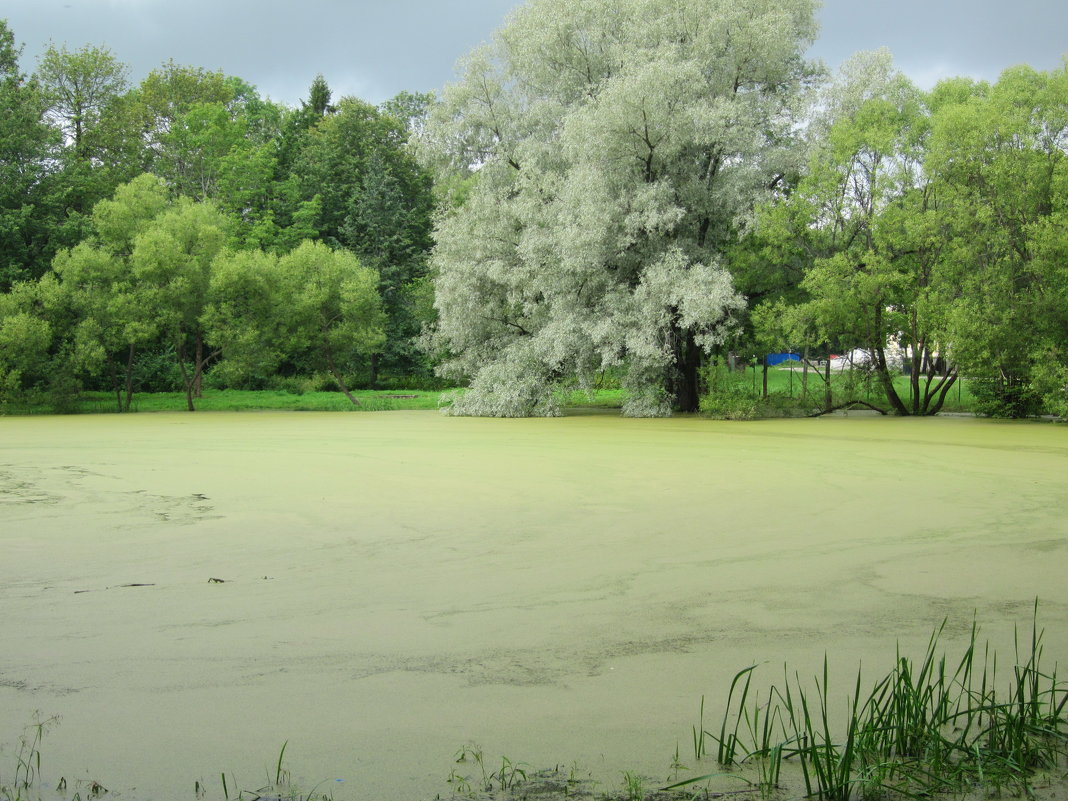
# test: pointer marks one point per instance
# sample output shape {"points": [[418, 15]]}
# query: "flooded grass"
{"points": [[379, 589]]}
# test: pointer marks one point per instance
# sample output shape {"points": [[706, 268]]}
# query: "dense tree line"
{"points": [[659, 184], [932, 224], [633, 189], [153, 235]]}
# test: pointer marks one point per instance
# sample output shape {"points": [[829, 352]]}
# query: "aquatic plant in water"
{"points": [[925, 727]]}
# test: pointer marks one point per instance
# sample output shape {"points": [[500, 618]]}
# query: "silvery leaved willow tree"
{"points": [[615, 148]]}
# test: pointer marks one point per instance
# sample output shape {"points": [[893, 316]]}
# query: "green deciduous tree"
{"points": [[25, 340], [619, 147], [411, 108], [171, 263], [313, 304], [1002, 153], [144, 278], [935, 222], [172, 89], [376, 201], [28, 154], [200, 146], [249, 313], [109, 315], [867, 218], [84, 89], [79, 85]]}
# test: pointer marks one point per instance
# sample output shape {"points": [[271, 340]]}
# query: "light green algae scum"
{"points": [[398, 584]]}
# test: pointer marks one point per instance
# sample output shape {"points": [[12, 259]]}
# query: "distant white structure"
{"points": [[858, 357], [896, 357]]}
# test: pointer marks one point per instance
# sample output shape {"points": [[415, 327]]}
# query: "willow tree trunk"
{"points": [[687, 377]]}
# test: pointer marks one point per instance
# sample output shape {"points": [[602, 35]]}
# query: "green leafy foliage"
{"points": [[27, 149], [1002, 153], [617, 148], [314, 305], [370, 196], [78, 86], [930, 231], [632, 188]]}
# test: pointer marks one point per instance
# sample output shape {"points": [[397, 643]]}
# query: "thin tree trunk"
{"points": [[846, 405], [198, 367], [187, 381], [939, 393], [882, 370], [929, 394], [202, 362], [374, 370], [116, 385], [764, 389], [892, 397], [942, 390], [337, 377], [825, 377], [828, 398], [129, 378], [914, 379]]}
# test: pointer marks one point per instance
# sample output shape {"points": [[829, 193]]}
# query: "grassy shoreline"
{"points": [[790, 394], [237, 400]]}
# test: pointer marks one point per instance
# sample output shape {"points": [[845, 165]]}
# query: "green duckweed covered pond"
{"points": [[395, 585]]}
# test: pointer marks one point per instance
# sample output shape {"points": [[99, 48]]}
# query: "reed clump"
{"points": [[925, 727]]}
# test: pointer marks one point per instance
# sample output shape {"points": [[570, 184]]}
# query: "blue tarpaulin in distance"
{"points": [[779, 358]]}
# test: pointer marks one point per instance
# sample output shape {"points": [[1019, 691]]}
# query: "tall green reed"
{"points": [[926, 726]]}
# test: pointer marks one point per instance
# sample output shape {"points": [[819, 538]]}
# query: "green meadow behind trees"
{"points": [[627, 202]]}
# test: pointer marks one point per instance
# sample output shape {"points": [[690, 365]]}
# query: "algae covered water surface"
{"points": [[188, 592]]}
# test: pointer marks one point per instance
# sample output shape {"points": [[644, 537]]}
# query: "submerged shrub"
{"points": [[1013, 399], [732, 402], [505, 389]]}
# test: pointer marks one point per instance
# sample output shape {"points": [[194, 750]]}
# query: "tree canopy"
{"points": [[618, 148], [927, 223], [630, 192]]}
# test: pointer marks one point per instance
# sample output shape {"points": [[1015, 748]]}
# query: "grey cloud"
{"points": [[375, 49]]}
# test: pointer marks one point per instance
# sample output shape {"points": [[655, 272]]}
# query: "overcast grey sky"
{"points": [[374, 49]]}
